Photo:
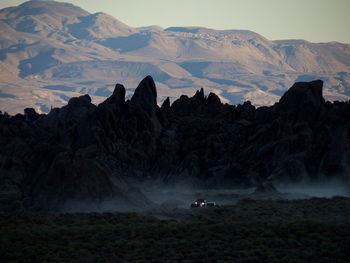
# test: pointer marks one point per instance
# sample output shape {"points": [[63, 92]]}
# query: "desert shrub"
{"points": [[245, 235]]}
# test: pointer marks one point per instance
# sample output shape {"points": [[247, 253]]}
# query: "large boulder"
{"points": [[76, 109], [303, 101]]}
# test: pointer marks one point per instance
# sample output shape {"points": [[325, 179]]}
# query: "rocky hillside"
{"points": [[52, 51], [86, 154]]}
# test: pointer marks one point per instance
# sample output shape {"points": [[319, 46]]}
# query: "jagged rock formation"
{"points": [[94, 154]]}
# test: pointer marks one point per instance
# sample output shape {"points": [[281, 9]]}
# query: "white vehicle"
{"points": [[202, 203]]}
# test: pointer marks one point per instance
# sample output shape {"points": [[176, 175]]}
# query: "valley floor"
{"points": [[312, 230]]}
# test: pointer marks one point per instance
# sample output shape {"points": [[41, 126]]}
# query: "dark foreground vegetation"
{"points": [[315, 230]]}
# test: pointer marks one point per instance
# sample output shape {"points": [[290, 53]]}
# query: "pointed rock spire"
{"points": [[199, 95], [119, 92], [118, 96], [145, 95], [166, 104]]}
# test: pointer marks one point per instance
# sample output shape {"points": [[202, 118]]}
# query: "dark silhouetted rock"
{"points": [[73, 112], [246, 111], [303, 101], [84, 101], [145, 95], [199, 96], [182, 106], [214, 100], [96, 155], [31, 114], [302, 93], [118, 95], [166, 104]]}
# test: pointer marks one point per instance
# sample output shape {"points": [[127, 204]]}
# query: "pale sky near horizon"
{"points": [[313, 20]]}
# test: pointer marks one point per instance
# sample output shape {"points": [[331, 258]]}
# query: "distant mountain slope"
{"points": [[54, 44]]}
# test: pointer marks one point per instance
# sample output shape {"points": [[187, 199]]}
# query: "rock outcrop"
{"points": [[83, 153], [303, 101]]}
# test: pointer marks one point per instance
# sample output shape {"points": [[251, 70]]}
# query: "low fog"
{"points": [[149, 196], [326, 189]]}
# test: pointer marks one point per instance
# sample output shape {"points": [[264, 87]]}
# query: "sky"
{"points": [[312, 20]]}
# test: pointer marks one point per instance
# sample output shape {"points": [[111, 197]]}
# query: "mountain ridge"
{"points": [[43, 39]]}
